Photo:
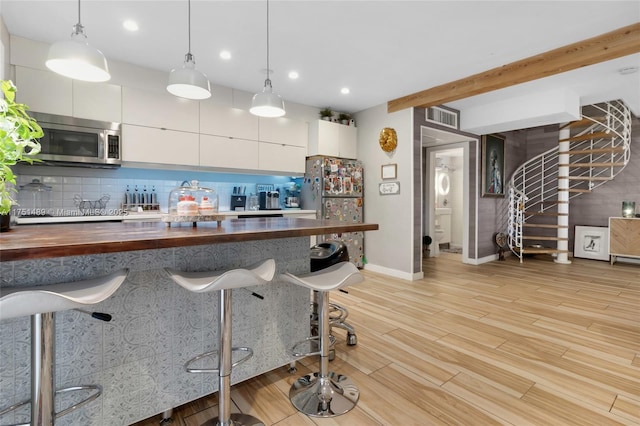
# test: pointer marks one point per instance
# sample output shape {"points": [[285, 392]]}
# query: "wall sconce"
{"points": [[628, 209]]}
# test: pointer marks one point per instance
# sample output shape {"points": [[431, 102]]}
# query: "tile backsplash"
{"points": [[69, 185]]}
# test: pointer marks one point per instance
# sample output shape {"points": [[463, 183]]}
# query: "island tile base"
{"points": [[157, 325]]}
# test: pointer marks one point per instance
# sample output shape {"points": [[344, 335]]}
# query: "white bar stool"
{"points": [[224, 282], [41, 302], [324, 393]]}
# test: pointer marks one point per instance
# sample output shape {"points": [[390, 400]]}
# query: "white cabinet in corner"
{"points": [[48, 92], [281, 158], [231, 153], [160, 110], [151, 145], [333, 139], [284, 130], [44, 91], [225, 121]]}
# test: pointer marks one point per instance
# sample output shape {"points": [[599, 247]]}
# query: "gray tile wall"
{"points": [[157, 325]]}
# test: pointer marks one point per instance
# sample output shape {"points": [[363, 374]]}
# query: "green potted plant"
{"points": [[344, 118], [326, 114], [18, 142]]}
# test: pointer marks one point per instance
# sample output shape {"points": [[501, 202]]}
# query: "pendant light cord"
{"points": [[189, 11], [268, 79], [78, 28]]}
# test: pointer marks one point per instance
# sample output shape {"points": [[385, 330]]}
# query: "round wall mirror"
{"points": [[443, 184]]}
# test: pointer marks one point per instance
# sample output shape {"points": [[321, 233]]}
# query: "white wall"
{"points": [[389, 249]]}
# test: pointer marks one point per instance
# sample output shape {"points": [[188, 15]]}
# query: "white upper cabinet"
{"points": [[230, 153], [225, 121], [281, 158], [284, 131], [151, 145], [44, 91], [160, 110], [97, 101], [48, 92], [333, 139]]}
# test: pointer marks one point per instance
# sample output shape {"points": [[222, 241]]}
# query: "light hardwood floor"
{"points": [[537, 343]]}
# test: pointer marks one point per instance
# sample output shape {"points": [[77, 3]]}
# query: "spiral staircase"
{"points": [[591, 152]]}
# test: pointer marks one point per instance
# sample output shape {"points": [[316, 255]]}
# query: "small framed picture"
{"points": [[591, 242], [389, 171]]}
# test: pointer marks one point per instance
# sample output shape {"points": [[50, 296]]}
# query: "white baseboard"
{"points": [[481, 260], [394, 272]]}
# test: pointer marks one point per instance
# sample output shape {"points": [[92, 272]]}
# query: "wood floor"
{"points": [[537, 343]]}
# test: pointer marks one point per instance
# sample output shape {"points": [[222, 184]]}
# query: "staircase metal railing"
{"points": [[598, 152]]}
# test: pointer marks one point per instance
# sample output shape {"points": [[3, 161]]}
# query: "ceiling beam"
{"points": [[615, 44]]}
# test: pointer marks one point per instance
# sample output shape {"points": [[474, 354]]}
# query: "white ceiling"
{"points": [[381, 50]]}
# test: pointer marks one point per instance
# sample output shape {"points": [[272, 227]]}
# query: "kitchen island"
{"points": [[157, 325]]}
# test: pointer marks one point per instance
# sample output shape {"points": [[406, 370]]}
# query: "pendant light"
{"points": [[76, 59], [267, 103], [188, 82]]}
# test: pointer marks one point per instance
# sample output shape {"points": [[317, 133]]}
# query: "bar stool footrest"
{"points": [[216, 352], [67, 410], [292, 351]]}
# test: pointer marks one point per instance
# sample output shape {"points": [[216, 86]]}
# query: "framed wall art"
{"points": [[493, 166], [389, 171], [591, 242]]}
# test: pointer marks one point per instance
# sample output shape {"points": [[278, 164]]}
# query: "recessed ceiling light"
{"points": [[293, 75], [130, 25], [225, 54], [345, 90]]}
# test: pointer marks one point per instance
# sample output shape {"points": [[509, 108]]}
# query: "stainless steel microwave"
{"points": [[78, 141]]}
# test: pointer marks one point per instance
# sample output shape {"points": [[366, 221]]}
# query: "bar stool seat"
{"points": [[324, 393], [224, 282], [41, 302]]}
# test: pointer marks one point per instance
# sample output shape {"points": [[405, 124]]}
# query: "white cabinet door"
{"points": [[150, 145], [164, 111], [333, 139], [232, 153], [97, 101], [348, 141], [281, 158], [284, 131], [44, 91], [224, 121]]}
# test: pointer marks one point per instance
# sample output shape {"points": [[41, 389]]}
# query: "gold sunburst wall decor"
{"points": [[388, 139]]}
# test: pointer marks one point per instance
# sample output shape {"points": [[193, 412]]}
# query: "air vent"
{"points": [[443, 117]]}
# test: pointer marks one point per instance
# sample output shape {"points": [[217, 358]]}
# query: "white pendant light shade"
{"points": [[76, 59], [267, 103], [188, 82]]}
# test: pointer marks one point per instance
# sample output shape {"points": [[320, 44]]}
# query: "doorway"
{"points": [[445, 196]]}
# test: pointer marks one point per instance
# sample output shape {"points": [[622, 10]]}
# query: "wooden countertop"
{"points": [[25, 242]]}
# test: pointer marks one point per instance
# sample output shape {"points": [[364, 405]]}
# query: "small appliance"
{"points": [[269, 200]]}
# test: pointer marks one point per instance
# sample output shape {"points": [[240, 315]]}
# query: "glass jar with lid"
{"points": [[191, 199]]}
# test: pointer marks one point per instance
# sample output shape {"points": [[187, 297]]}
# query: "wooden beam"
{"points": [[615, 44]]}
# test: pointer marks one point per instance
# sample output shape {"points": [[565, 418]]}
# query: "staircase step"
{"points": [[579, 191], [542, 225], [611, 150], [592, 178], [585, 122], [542, 251], [554, 214], [587, 136], [543, 238], [592, 165]]}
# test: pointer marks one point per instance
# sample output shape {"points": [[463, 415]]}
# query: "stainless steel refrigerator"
{"points": [[334, 187]]}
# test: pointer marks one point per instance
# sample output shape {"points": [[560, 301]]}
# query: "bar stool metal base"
{"points": [[237, 419], [327, 396]]}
